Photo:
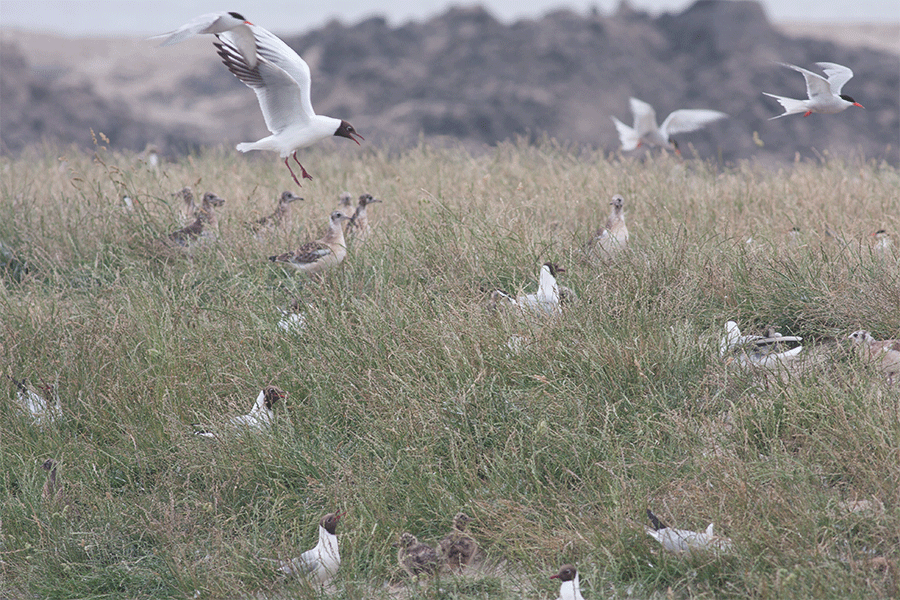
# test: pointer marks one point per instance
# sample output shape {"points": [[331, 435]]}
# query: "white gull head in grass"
{"points": [[415, 557], [682, 540], [322, 254], [259, 418], [885, 355], [646, 131], [569, 583], [36, 405], [281, 80], [320, 563], [768, 352], [612, 238], [824, 93]]}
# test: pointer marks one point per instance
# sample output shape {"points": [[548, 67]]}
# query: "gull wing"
{"points": [[689, 119], [837, 75], [644, 117], [218, 22], [284, 100], [816, 85]]}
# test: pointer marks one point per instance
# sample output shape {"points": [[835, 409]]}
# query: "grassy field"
{"points": [[405, 403]]}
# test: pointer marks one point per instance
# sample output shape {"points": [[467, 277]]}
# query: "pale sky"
{"points": [[83, 18]]}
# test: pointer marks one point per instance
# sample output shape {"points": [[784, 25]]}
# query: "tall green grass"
{"points": [[406, 404]]}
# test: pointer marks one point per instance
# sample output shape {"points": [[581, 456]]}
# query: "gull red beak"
{"points": [[354, 139], [858, 104], [554, 576]]}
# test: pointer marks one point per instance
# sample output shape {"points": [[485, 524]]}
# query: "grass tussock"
{"points": [[406, 403]]}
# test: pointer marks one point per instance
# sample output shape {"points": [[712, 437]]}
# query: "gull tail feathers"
{"points": [[791, 106], [629, 137]]}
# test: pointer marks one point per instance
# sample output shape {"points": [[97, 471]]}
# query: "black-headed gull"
{"points": [[569, 583], [768, 352], [320, 563], [415, 557], [281, 81], [458, 548], [682, 540], [545, 302], [35, 404], [324, 253], [885, 355], [358, 228], [206, 225], [214, 23], [259, 417], [282, 211], [646, 131], [612, 238], [824, 94]]}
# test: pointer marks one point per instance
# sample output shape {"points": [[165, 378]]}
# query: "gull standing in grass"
{"points": [[260, 416], [613, 237], [281, 80], [545, 302], [646, 131], [324, 253], [824, 94], [35, 404], [321, 562], [277, 218], [569, 583], [885, 355], [682, 540], [415, 557], [358, 228], [206, 225], [458, 548], [768, 352]]}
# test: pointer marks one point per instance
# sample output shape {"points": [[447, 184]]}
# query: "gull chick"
{"points": [[321, 562], [681, 540], [613, 237], [646, 131], [205, 226], [767, 352], [260, 416], [415, 557], [35, 404], [324, 253], [187, 207], [824, 94], [458, 548], [277, 218], [885, 355], [281, 80], [345, 204], [545, 302], [358, 228], [569, 583]]}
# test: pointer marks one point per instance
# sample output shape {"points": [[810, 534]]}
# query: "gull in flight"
{"points": [[416, 557], [767, 351], [259, 417], [281, 80], [215, 23], [569, 583], [458, 548], [324, 253], [613, 237], [824, 94], [321, 562], [646, 131], [682, 540], [885, 354]]}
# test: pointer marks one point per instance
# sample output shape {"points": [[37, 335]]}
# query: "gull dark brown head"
{"points": [[566, 573], [272, 394], [346, 130], [330, 522], [555, 269]]}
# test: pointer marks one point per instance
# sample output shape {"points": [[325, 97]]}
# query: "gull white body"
{"points": [[545, 302], [37, 406], [259, 418], [683, 540], [757, 350], [824, 93], [215, 23], [646, 131], [320, 563], [570, 583]]}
